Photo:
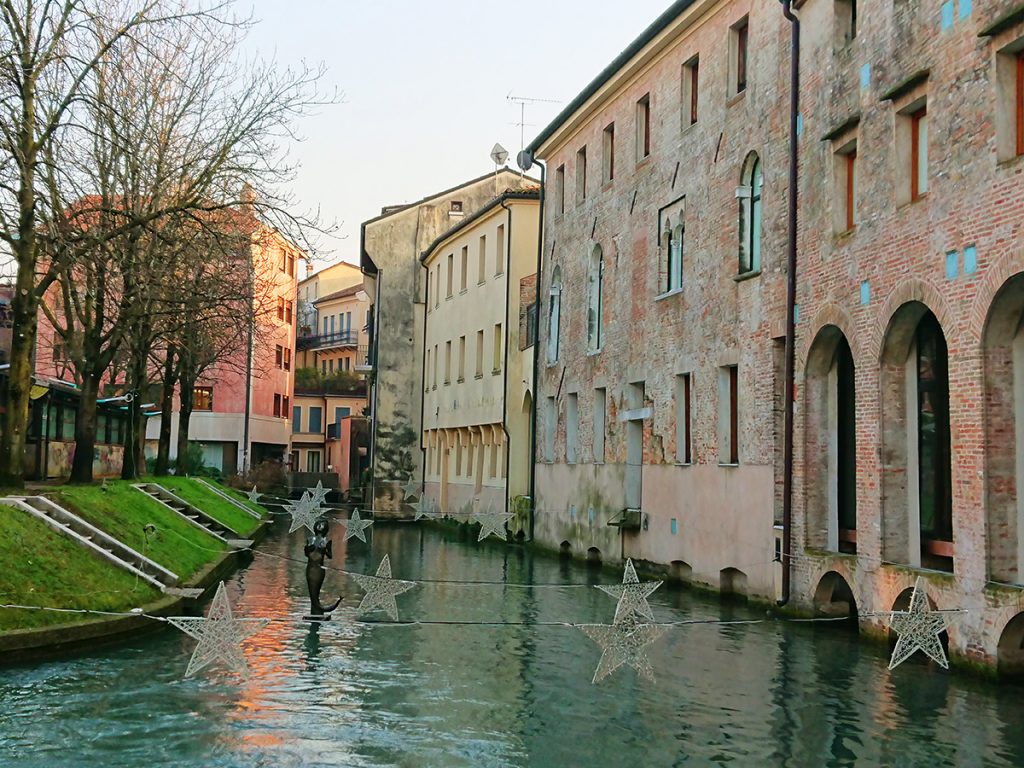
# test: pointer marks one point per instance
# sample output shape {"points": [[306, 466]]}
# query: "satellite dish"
{"points": [[499, 154], [525, 160]]}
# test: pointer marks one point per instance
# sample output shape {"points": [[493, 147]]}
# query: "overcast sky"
{"points": [[425, 87]]}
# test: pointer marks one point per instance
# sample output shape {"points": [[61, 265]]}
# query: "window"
{"points": [[280, 307], [600, 408], [581, 174], [447, 362], [560, 188], [341, 412], [608, 158], [499, 262], [297, 418], [323, 366], [451, 273], [691, 77], [1018, 98], [683, 435], [672, 245], [479, 353], [288, 311], [482, 261], [572, 427], [455, 208], [312, 461], [426, 372], [919, 153], [935, 497], [462, 358], [437, 361], [437, 286], [284, 407], [846, 449], [316, 418], [330, 365], [277, 405], [287, 359], [595, 305], [279, 356], [846, 21], [554, 310], [464, 277], [738, 47], [202, 398], [643, 127], [1010, 101], [550, 426], [845, 172], [728, 416], [749, 195], [498, 343]]}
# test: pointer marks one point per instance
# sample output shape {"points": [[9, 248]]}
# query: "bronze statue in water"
{"points": [[318, 548]]}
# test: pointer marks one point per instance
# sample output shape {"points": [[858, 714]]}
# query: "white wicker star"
{"points": [[304, 513], [254, 495], [356, 526], [623, 643], [220, 635], [410, 489], [319, 494], [492, 522], [632, 595], [919, 628], [424, 508], [381, 590]]}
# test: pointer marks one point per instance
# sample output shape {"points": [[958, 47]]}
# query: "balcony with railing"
{"points": [[325, 342]]}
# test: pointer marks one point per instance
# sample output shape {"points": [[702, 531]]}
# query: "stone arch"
{"points": [[830, 464], [732, 581], [914, 406], [832, 314], [911, 290], [834, 596], [902, 603], [680, 571], [565, 549], [1010, 651], [1002, 345], [593, 555], [996, 277]]}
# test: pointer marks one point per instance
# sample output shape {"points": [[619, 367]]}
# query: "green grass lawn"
{"points": [[123, 512], [195, 493], [240, 496], [43, 567]]}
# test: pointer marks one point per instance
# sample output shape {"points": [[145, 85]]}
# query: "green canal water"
{"points": [[354, 694]]}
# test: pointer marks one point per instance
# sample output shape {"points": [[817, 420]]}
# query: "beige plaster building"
{"points": [[476, 379], [318, 285], [339, 340]]}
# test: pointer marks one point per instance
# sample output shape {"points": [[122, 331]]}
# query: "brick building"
{"points": [[663, 308]]}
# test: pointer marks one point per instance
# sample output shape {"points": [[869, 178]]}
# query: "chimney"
{"points": [[248, 195]]}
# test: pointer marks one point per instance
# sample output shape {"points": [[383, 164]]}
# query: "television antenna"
{"points": [[522, 101]]}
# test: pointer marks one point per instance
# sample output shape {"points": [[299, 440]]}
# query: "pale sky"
{"points": [[425, 87]]}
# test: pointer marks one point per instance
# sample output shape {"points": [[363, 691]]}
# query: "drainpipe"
{"points": [[787, 470], [504, 377], [246, 457], [423, 377], [526, 161]]}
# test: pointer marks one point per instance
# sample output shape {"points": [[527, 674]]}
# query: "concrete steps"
{"points": [[228, 497], [106, 546], [194, 515]]}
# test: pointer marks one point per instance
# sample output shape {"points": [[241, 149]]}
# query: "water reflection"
{"points": [[348, 693]]}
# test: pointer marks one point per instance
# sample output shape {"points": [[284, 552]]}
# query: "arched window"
{"points": [[675, 258], [595, 304], [935, 498], [749, 195], [554, 313]]}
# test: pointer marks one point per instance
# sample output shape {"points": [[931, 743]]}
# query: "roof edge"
{"points": [[476, 216]]}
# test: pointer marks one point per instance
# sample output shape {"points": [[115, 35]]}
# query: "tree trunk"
{"points": [[163, 450], [85, 430], [184, 415], [135, 437], [19, 378]]}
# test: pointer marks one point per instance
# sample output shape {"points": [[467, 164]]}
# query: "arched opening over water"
{"points": [[593, 556], [902, 603], [1010, 652], [834, 597], [680, 572], [565, 549], [732, 581]]}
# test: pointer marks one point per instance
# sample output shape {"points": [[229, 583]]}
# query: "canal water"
{"points": [[515, 691]]}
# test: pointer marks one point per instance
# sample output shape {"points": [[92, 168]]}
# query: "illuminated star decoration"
{"points": [[304, 513], [254, 495], [220, 635], [632, 595], [410, 489], [424, 508], [319, 494], [381, 590], [356, 526], [623, 643], [919, 628], [492, 522]]}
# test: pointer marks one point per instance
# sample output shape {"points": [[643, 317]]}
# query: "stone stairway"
{"points": [[194, 515], [103, 544], [228, 497]]}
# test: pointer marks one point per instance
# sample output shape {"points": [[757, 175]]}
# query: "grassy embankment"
{"points": [[195, 493], [44, 568]]}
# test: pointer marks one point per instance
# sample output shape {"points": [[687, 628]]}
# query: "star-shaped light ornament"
{"points": [[492, 521], [220, 635], [304, 513], [356, 526], [919, 628], [410, 489], [623, 643], [381, 590], [632, 595], [254, 495], [424, 508], [319, 494]]}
